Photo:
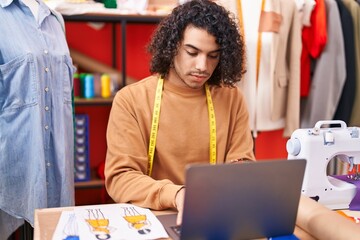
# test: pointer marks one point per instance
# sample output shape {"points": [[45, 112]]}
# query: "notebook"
{"points": [[239, 201]]}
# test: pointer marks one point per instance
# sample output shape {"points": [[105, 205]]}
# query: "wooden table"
{"points": [[46, 221], [314, 221]]}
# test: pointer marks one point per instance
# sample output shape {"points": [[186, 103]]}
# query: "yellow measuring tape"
{"points": [[212, 125], [242, 30], [155, 124]]}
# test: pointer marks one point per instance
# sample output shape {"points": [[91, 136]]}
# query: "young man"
{"points": [[188, 112]]}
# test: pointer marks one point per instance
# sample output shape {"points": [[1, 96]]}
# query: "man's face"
{"points": [[197, 57]]}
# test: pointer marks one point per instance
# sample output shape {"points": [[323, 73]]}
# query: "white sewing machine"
{"points": [[318, 146]]}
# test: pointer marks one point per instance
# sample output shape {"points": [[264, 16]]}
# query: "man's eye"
{"points": [[214, 56], [192, 53]]}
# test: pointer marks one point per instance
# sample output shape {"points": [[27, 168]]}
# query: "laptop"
{"points": [[239, 201]]}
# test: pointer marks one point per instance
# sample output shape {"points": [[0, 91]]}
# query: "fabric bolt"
{"points": [[182, 139], [36, 118]]}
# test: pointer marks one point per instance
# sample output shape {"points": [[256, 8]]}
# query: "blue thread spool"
{"points": [[89, 89]]}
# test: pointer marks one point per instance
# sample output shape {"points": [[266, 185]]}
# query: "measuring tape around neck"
{"points": [[155, 124], [212, 125]]}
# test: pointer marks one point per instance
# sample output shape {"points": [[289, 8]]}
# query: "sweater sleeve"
{"points": [[241, 143], [127, 162]]}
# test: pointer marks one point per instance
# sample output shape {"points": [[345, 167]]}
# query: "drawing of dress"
{"points": [[99, 225], [71, 229], [136, 220]]}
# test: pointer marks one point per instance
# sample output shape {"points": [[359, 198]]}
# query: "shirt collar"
{"points": [[5, 3]]}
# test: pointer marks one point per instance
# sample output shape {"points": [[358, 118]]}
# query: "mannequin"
{"points": [[36, 114]]}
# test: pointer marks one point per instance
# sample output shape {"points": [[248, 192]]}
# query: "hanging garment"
{"points": [[346, 102], [273, 96], [329, 74], [306, 12], [354, 10], [314, 39]]}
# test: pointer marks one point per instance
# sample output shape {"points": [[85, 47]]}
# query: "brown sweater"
{"points": [[182, 139]]}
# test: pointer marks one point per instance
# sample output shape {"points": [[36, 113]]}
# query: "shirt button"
{"points": [[46, 108], [48, 164], [46, 127], [46, 69], [46, 51], [46, 89]]}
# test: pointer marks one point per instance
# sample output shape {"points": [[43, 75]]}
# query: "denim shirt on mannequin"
{"points": [[36, 114]]}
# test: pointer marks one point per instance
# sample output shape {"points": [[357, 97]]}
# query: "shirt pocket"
{"points": [[68, 74], [18, 86]]}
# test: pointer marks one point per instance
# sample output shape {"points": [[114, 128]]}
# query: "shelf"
{"points": [[114, 17], [93, 101], [123, 20], [96, 183], [94, 191]]}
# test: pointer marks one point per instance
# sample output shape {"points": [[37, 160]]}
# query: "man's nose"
{"points": [[201, 63]]}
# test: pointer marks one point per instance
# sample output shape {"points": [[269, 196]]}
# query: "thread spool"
{"points": [[82, 84], [105, 86], [110, 3], [89, 90], [77, 85]]}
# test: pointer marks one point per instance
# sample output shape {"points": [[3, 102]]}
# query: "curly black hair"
{"points": [[216, 20]]}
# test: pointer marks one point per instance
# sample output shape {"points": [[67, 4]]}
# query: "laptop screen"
{"points": [[242, 201]]}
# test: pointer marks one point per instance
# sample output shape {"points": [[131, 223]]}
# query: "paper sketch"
{"points": [[109, 221]]}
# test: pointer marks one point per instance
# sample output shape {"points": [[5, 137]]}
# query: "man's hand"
{"points": [[179, 201], [241, 160]]}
